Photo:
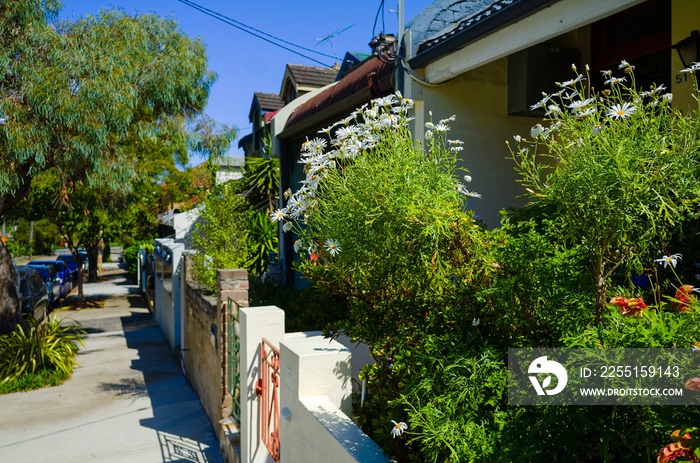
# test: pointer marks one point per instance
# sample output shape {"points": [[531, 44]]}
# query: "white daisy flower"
{"points": [[467, 178], [692, 68], [620, 112], [615, 80], [476, 322], [672, 259], [398, 428], [332, 247], [580, 104], [297, 245], [287, 226], [553, 109], [518, 138], [536, 131], [571, 82], [541, 103], [623, 64], [597, 129], [585, 112], [278, 215]]}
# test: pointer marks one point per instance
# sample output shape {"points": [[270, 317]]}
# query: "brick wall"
{"points": [[205, 358]]}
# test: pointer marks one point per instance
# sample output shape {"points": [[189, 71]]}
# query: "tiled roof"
{"points": [[443, 28], [364, 80], [313, 75], [269, 101]]}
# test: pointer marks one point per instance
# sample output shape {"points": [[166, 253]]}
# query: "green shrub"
{"points": [[220, 237], [619, 169], [131, 256], [48, 346]]}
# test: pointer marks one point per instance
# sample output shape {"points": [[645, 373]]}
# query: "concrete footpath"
{"points": [[127, 401]]}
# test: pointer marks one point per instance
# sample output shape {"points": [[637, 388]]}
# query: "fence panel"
{"points": [[267, 390], [234, 360]]}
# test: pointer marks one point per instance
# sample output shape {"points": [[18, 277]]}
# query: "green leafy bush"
{"points": [[131, 256], [47, 346], [220, 237], [618, 167], [383, 222]]}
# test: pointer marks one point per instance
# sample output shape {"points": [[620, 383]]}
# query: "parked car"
{"points": [[69, 260], [52, 282], [33, 295], [62, 271]]}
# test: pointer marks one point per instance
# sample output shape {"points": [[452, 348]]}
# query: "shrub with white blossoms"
{"points": [[356, 135], [618, 167], [382, 222]]}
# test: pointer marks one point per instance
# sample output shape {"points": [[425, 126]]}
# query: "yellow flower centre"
{"points": [[398, 426], [620, 113]]}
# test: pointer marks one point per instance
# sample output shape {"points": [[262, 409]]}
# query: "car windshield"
{"points": [[56, 266], [67, 258]]}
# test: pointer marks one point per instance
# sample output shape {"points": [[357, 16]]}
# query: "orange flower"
{"points": [[693, 384], [682, 298], [678, 449]]}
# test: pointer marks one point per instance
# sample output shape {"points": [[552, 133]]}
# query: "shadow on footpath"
{"points": [[184, 431]]}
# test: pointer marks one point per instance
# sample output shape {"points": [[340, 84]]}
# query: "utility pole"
{"points": [[399, 45]]}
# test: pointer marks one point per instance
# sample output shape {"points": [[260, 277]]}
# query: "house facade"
{"points": [[488, 61]]}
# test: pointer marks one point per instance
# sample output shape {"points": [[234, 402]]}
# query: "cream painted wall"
{"points": [[478, 98], [685, 17]]}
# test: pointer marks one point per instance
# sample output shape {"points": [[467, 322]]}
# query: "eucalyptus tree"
{"points": [[74, 92]]}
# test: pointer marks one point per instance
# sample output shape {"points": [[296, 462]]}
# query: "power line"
{"points": [[245, 28]]}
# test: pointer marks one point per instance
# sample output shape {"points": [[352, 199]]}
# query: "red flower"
{"points": [[678, 449], [634, 307], [629, 307], [682, 298], [618, 301]]}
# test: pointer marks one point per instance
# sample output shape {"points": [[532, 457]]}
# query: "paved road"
{"points": [[127, 402]]}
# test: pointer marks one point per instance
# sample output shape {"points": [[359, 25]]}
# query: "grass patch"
{"points": [[38, 380]]}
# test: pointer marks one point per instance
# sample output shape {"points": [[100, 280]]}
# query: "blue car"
{"points": [[69, 260], [62, 271], [52, 282], [33, 296]]}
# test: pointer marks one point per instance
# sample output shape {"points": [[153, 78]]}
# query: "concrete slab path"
{"points": [[127, 401]]}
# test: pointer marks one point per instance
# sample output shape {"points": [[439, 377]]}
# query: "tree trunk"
{"points": [[79, 260], [10, 314], [100, 254], [92, 253]]}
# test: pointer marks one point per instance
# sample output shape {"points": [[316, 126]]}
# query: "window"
{"points": [[642, 36]]}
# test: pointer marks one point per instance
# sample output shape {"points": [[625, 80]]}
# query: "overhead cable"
{"points": [[255, 32]]}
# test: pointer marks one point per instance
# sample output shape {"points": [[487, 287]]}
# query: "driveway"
{"points": [[127, 401]]}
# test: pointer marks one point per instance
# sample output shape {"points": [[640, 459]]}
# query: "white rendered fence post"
{"points": [[255, 323]]}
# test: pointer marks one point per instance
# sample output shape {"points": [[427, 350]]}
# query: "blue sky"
{"points": [[246, 64]]}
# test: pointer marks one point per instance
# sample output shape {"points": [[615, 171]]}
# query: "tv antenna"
{"points": [[329, 38]]}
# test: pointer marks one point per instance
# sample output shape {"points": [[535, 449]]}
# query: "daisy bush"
{"points": [[382, 221], [617, 165]]}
